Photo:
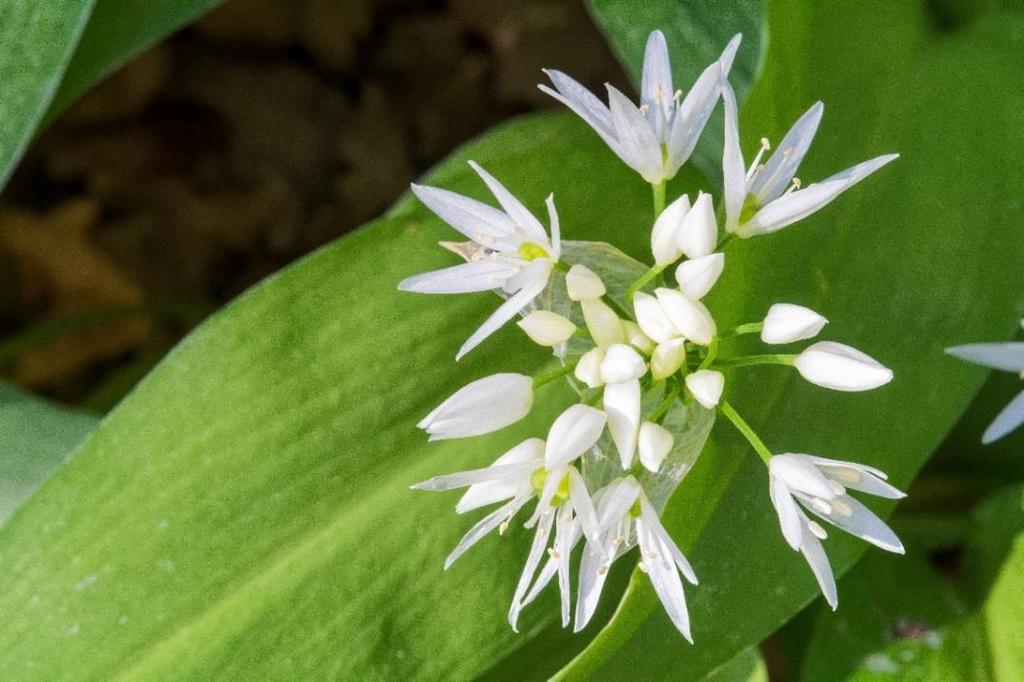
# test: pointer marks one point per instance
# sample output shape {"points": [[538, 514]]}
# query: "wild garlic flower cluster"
{"points": [[643, 352], [1007, 357]]}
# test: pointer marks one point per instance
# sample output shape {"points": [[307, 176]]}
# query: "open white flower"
{"points": [[1008, 357], [510, 252], [841, 368], [767, 197], [621, 370], [626, 517], [480, 407], [657, 137], [820, 486]]}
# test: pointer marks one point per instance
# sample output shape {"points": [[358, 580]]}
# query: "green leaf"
{"points": [[117, 32], [987, 644], [748, 666], [872, 265], [37, 437], [695, 37], [37, 40]]}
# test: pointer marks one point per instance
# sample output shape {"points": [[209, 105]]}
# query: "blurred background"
{"points": [[241, 143]]}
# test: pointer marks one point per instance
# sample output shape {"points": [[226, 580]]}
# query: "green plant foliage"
{"points": [[879, 266], [37, 437], [987, 644], [695, 37], [37, 40], [118, 31]]}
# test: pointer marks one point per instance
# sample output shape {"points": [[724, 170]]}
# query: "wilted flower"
{"points": [[480, 407], [657, 137], [1008, 357], [820, 486]]}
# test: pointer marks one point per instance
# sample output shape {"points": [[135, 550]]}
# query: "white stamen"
{"points": [[755, 165], [816, 530]]}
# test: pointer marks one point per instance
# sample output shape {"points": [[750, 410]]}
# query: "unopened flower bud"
{"points": [[706, 385], [841, 368], [547, 328], [697, 276], [665, 235], [480, 407], [699, 233], [654, 444], [583, 284], [786, 323]]}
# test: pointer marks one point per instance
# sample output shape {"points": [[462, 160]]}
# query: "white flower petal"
{"points": [[729, 53], [588, 369], [858, 477], [593, 573], [665, 235], [583, 506], [841, 368], [485, 526], [690, 318], [506, 311], [622, 363], [656, 90], [640, 147], [652, 318], [635, 336], [618, 498], [583, 284], [622, 404], [818, 561], [691, 117], [462, 479], [778, 171], [801, 203], [696, 277], [654, 444], [786, 323], [481, 275], [573, 433], [733, 171], [585, 105], [555, 226], [1008, 357], [547, 328], [476, 220], [791, 519], [699, 234], [540, 540], [706, 385], [849, 514], [508, 485], [1009, 419], [798, 472], [519, 214], [602, 322], [653, 524], [667, 358], [480, 407], [664, 578]]}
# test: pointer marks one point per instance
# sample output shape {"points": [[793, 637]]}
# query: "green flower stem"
{"points": [[749, 328], [662, 408], [748, 360], [658, 192], [642, 282], [726, 238], [744, 428], [557, 373], [711, 354]]}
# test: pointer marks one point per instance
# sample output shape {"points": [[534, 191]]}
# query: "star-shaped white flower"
{"points": [[820, 486], [626, 517], [1008, 357], [510, 252], [657, 137], [757, 200]]}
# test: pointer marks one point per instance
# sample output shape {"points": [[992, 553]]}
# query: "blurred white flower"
{"points": [[786, 323], [841, 368], [657, 137], [820, 486], [480, 407], [625, 516], [757, 200], [510, 252], [1008, 357]]}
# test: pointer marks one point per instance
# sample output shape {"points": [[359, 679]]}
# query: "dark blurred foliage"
{"points": [[243, 142]]}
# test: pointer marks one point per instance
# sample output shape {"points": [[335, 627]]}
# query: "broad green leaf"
{"points": [[37, 437], [987, 644], [695, 37], [748, 666], [37, 39], [878, 267], [118, 31]]}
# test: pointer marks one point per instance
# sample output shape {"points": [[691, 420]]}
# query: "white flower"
{"points": [[1008, 357], [625, 517], [786, 323], [546, 328], [756, 199], [698, 235], [621, 371], [588, 368], [696, 277], [820, 486], [480, 407], [690, 318], [706, 385], [667, 358], [654, 445], [604, 325], [510, 252], [583, 284], [666, 233], [841, 368], [657, 137]]}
